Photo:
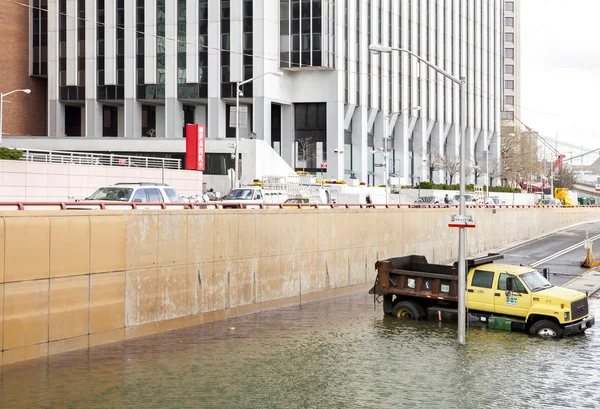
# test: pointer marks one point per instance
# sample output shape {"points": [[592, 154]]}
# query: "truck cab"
{"points": [[527, 296], [499, 296]]}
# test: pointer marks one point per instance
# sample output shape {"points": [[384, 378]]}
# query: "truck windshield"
{"points": [[239, 194], [535, 281]]}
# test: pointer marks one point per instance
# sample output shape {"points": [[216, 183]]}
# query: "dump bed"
{"points": [[414, 276]]}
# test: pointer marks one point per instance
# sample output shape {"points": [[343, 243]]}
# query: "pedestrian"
{"points": [[369, 201], [446, 199]]}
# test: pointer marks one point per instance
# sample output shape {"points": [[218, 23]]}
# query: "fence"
{"points": [[100, 159]]}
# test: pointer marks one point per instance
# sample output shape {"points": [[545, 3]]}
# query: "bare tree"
{"points": [[306, 151], [475, 169], [450, 165], [564, 177], [434, 162]]}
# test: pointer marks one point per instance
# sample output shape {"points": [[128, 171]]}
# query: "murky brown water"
{"points": [[337, 353]]}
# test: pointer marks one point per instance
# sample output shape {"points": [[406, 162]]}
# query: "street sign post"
{"points": [[243, 117], [462, 221]]}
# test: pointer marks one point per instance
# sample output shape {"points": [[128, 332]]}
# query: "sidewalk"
{"points": [[587, 282]]}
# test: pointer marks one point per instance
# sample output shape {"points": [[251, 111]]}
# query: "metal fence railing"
{"points": [[100, 159]]}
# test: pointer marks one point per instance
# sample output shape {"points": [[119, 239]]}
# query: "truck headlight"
{"points": [[567, 316]]}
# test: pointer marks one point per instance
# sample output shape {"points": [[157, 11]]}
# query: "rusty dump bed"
{"points": [[414, 276]]}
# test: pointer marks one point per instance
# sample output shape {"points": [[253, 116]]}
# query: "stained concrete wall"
{"points": [[76, 279]]}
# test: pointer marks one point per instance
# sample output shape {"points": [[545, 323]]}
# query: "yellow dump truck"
{"points": [[498, 296]]}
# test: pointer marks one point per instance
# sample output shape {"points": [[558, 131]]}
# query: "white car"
{"points": [[138, 193]]}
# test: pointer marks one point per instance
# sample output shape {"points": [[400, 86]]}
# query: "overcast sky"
{"points": [[560, 67]]}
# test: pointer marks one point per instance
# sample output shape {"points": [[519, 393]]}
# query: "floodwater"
{"points": [[336, 353]]}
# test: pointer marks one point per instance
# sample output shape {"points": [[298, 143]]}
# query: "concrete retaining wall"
{"points": [[74, 279]]}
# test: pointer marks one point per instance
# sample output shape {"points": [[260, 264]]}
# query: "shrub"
{"points": [[10, 154]]}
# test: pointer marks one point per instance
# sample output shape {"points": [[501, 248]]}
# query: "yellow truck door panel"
{"points": [[480, 294], [517, 302]]}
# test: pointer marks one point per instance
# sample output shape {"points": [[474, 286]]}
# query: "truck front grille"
{"points": [[579, 309]]}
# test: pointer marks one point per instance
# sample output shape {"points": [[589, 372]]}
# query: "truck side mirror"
{"points": [[509, 284]]}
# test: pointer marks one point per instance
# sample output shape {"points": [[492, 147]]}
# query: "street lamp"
{"points": [[27, 91], [385, 151], [379, 48], [238, 93]]}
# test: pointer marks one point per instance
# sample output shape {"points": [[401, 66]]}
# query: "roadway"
{"points": [[562, 253]]}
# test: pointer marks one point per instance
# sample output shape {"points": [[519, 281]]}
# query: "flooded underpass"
{"points": [[335, 353]]}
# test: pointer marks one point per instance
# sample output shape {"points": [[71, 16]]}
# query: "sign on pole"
{"points": [[195, 147], [323, 166], [243, 117], [462, 221]]}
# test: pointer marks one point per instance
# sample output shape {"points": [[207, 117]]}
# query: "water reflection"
{"points": [[334, 353]]}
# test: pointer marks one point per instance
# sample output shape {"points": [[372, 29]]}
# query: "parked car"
{"points": [[303, 200], [138, 193], [469, 199], [548, 202], [493, 200], [428, 201]]}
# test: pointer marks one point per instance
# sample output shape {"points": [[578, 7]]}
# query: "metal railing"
{"points": [[231, 206], [99, 159]]}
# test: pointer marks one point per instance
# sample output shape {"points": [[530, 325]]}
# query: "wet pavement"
{"points": [[335, 353]]}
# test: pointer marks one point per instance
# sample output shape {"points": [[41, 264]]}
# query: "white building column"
{"points": [[215, 118], [110, 42], [173, 107], [335, 139], [71, 42], [360, 123], [287, 135], [56, 111], [133, 109], [93, 109]]}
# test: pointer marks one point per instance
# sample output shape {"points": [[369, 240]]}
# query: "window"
{"points": [[517, 284], [509, 100], [507, 115], [154, 195], [482, 279], [509, 53], [509, 6], [509, 84], [140, 196], [172, 195], [509, 37], [509, 21], [509, 69]]}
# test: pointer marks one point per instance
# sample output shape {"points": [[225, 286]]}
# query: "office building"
{"points": [[137, 71]]}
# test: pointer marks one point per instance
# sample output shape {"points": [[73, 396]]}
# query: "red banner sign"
{"points": [[195, 147]]}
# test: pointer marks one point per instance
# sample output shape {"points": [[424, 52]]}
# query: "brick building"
{"points": [[22, 114]]}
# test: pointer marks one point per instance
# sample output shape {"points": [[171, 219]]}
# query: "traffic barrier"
{"points": [[264, 206]]}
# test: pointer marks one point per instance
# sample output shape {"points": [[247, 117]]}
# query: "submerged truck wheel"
{"points": [[546, 329], [407, 310]]}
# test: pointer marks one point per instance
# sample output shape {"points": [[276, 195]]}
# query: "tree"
{"points": [[474, 169], [450, 165], [306, 151], [564, 177], [434, 162]]}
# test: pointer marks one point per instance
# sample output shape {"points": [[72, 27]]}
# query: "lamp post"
{"points": [[26, 91], [238, 93], [378, 48]]}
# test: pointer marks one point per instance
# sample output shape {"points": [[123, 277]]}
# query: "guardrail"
{"points": [[100, 159], [220, 205]]}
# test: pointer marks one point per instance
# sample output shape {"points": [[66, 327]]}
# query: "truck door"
{"points": [[479, 291], [517, 303]]}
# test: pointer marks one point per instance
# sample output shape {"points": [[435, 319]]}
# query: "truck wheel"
{"points": [[546, 329], [407, 310]]}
